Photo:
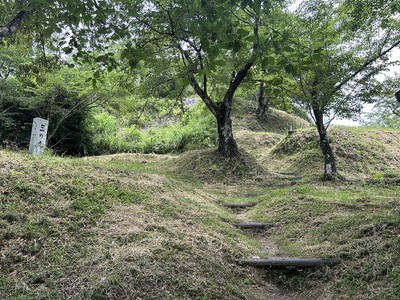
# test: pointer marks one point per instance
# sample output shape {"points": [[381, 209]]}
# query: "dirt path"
{"points": [[262, 288]]}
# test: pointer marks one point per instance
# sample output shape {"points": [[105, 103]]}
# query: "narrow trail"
{"points": [[263, 289]]}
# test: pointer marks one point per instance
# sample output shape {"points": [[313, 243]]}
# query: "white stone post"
{"points": [[38, 136]]}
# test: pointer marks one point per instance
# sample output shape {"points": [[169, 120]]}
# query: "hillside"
{"points": [[361, 153], [136, 226]]}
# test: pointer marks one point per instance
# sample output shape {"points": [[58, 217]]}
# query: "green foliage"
{"points": [[112, 135], [385, 112], [332, 74], [60, 97]]}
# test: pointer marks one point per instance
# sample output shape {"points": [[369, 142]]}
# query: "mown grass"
{"points": [[133, 226], [358, 224], [105, 228]]}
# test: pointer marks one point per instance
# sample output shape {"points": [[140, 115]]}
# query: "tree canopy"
{"points": [[324, 56]]}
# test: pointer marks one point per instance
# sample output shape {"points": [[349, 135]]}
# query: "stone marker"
{"points": [[38, 136]]}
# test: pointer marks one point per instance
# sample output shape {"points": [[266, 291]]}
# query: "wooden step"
{"points": [[281, 185], [289, 262], [239, 205], [253, 225]]}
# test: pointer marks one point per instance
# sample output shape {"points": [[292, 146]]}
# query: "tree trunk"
{"points": [[397, 95], [263, 104], [329, 159], [226, 142]]}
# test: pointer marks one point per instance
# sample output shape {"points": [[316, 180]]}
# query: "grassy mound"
{"points": [[133, 226], [257, 144], [276, 121], [91, 229], [359, 224], [208, 166], [360, 153]]}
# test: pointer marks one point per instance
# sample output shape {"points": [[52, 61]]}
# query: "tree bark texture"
{"points": [[263, 104], [226, 142], [227, 145], [329, 159]]}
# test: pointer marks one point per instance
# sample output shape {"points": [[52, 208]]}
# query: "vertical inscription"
{"points": [[38, 136]]}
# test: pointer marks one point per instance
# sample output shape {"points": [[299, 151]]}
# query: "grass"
{"points": [[136, 226], [90, 229]]}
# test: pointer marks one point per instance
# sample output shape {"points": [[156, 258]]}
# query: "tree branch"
{"points": [[195, 85], [363, 66], [14, 24], [238, 78]]}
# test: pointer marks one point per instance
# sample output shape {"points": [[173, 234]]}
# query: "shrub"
{"points": [[195, 130]]}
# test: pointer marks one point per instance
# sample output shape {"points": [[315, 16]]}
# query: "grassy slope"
{"points": [[357, 220], [115, 227], [151, 227]]}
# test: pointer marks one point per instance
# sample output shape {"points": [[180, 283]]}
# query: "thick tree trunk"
{"points": [[226, 142], [263, 104], [222, 111], [329, 159]]}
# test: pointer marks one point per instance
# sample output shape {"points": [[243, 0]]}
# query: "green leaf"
{"points": [[185, 81], [288, 49], [227, 45], [220, 62], [214, 51], [267, 61], [276, 92], [133, 13], [271, 60], [205, 44], [236, 46], [132, 62], [244, 4], [264, 63], [212, 66], [96, 74], [67, 50], [276, 81], [252, 38], [289, 68], [48, 31], [242, 32], [257, 6]]}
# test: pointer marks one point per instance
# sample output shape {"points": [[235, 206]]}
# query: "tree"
{"points": [[201, 37], [385, 111], [335, 66]]}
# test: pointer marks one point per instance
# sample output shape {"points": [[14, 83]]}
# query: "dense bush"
{"points": [[59, 97], [112, 135]]}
